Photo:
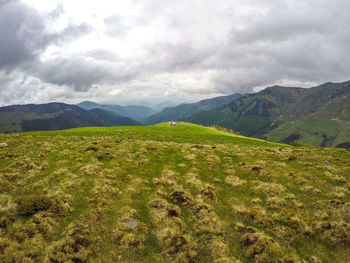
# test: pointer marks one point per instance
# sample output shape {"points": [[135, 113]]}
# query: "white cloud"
{"points": [[71, 50]]}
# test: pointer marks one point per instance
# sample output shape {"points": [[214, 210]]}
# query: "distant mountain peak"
{"points": [[134, 112], [276, 89]]}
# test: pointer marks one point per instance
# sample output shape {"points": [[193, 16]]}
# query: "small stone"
{"points": [[131, 223], [3, 145], [74, 176]]}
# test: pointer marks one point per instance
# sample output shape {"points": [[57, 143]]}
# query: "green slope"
{"points": [[109, 118], [280, 113], [183, 111], [253, 114], [56, 116], [163, 193], [315, 131], [328, 126]]}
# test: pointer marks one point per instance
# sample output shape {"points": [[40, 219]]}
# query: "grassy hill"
{"points": [[56, 116], [162, 193]]}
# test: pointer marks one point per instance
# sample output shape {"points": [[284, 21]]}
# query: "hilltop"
{"points": [[163, 193]]}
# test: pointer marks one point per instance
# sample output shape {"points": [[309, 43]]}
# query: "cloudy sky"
{"points": [[72, 50]]}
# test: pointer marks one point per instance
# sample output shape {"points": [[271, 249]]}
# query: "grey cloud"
{"points": [[290, 42], [282, 25], [18, 88], [23, 37], [21, 31], [78, 73], [102, 54], [68, 34], [15, 88], [57, 12], [3, 2], [82, 73], [172, 57]]}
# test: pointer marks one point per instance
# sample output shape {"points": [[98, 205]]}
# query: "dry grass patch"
{"points": [[235, 181], [90, 169], [269, 189], [335, 177]]}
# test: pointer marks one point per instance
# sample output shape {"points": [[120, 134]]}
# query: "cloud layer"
{"points": [[188, 49]]}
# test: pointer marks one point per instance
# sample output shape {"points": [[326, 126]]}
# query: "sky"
{"points": [[143, 50]]}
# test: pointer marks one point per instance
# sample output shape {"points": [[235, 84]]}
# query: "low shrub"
{"points": [[30, 204]]}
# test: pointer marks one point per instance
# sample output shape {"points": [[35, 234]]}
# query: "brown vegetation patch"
{"points": [[74, 247], [91, 148], [31, 204], [181, 197]]}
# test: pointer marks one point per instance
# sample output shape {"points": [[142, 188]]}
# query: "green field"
{"points": [[165, 193], [314, 131]]}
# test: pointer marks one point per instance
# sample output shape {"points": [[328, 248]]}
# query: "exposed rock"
{"points": [[131, 223]]}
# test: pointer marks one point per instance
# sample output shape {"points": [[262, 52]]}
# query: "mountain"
{"points": [[170, 193], [56, 116], [319, 115], [109, 118], [252, 114], [134, 112], [166, 104], [184, 110]]}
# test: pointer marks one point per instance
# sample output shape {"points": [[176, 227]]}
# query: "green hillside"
{"points": [[164, 193], [56, 116], [319, 115], [183, 111]]}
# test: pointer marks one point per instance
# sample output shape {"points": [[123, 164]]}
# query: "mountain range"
{"points": [[319, 116], [134, 112], [56, 116], [185, 110]]}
